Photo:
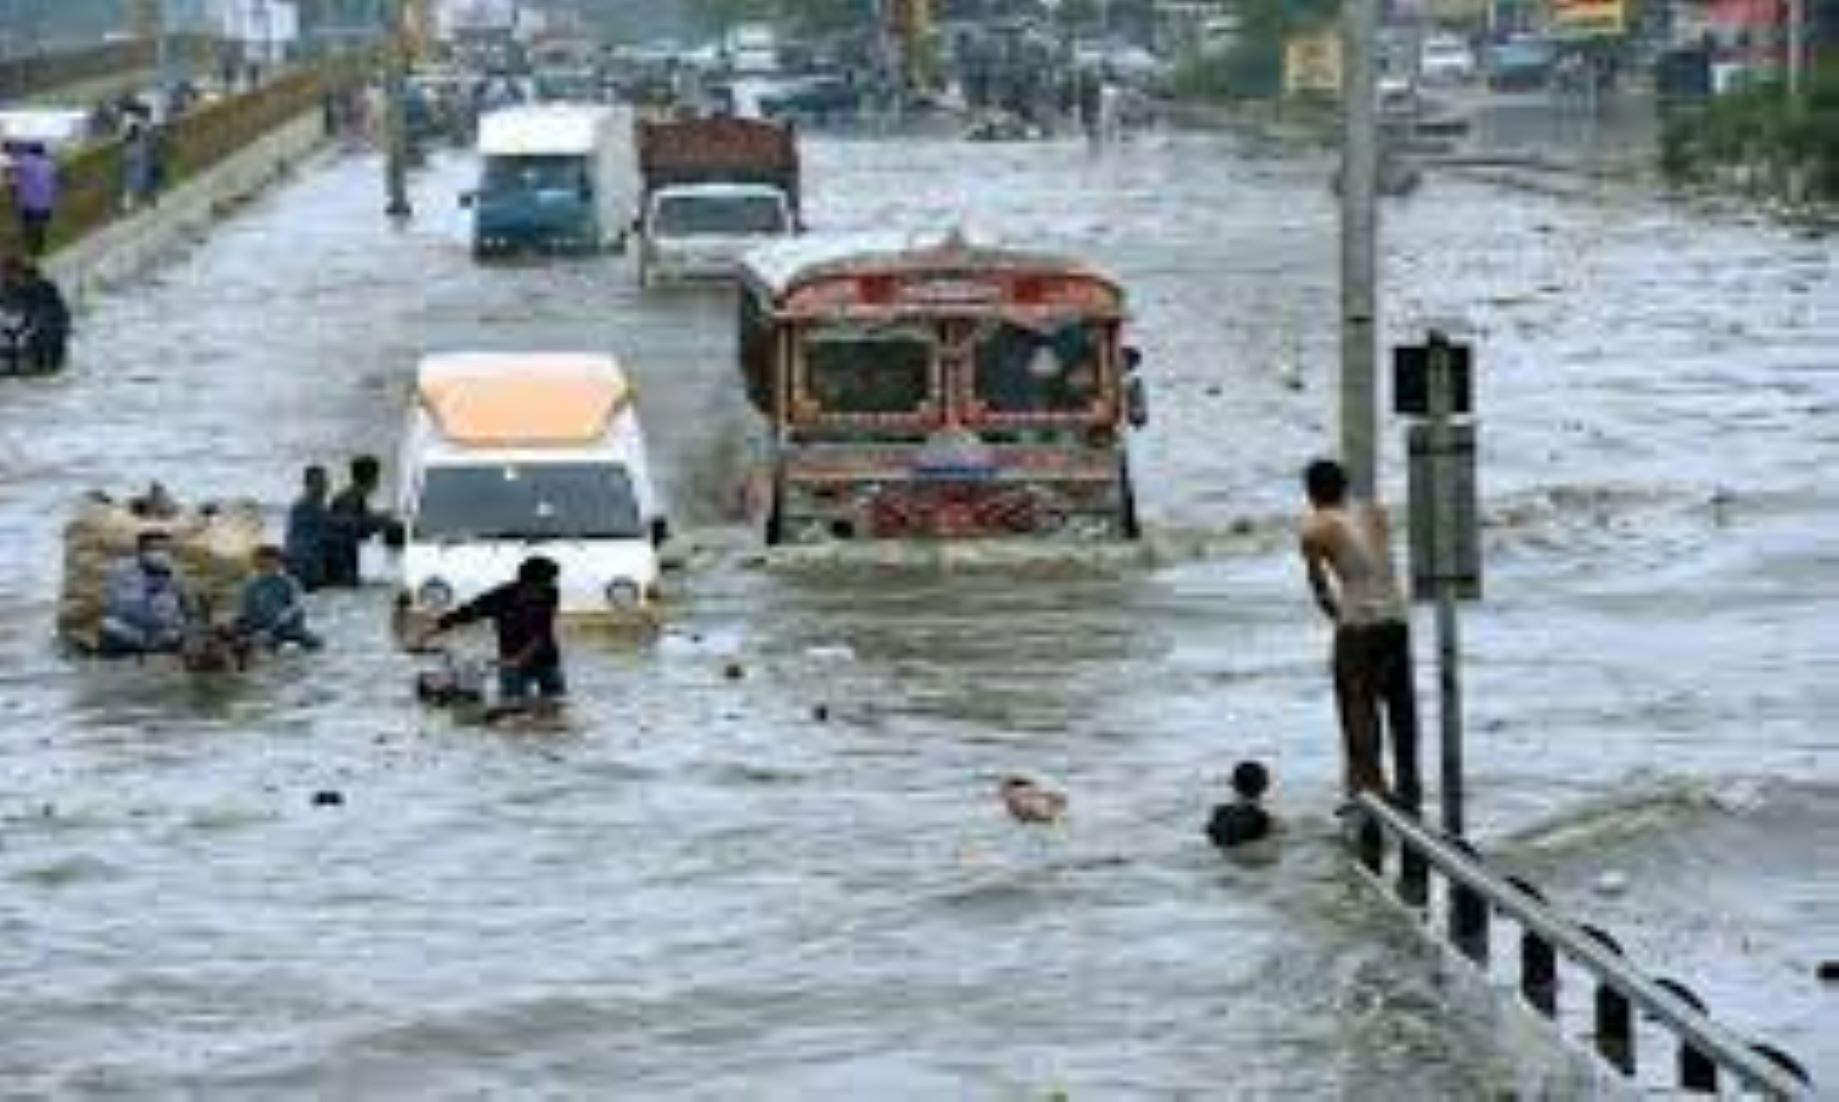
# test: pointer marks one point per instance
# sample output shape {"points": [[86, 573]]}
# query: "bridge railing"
{"points": [[90, 179], [1401, 857]]}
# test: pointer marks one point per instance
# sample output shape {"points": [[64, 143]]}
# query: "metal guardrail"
{"points": [[1707, 1053]]}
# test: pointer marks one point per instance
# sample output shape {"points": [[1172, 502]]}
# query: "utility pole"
{"points": [[1797, 47], [1359, 246], [396, 123]]}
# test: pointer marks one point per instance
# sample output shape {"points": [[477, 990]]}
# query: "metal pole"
{"points": [[162, 49], [395, 87], [1442, 396], [1359, 248], [1449, 709], [1797, 46]]}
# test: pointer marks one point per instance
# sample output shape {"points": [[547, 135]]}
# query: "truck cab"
{"points": [[713, 189], [701, 231], [553, 178]]}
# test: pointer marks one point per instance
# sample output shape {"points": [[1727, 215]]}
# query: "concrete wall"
{"points": [[128, 246]]}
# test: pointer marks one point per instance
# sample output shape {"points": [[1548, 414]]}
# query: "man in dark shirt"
{"points": [[308, 521], [350, 521], [523, 613]]}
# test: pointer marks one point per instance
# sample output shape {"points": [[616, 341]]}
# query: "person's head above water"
{"points": [[1250, 780], [538, 570], [1326, 483]]}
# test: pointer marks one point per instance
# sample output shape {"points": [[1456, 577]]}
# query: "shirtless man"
{"points": [[1347, 550]]}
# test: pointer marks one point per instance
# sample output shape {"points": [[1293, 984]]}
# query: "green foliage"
{"points": [[1252, 67], [1762, 129]]}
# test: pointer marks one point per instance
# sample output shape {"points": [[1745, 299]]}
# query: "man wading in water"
{"points": [[1346, 549]]}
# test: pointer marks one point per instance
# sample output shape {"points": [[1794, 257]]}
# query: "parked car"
{"points": [[1521, 64], [1446, 59]]}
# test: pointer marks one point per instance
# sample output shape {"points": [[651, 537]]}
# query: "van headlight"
{"points": [[434, 594], [624, 594]]}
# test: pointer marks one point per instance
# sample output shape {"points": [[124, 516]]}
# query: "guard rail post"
{"points": [[1615, 1015], [1697, 1071], [1538, 962], [1468, 916]]}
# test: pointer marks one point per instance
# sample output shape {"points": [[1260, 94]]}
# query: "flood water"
{"points": [[796, 882]]}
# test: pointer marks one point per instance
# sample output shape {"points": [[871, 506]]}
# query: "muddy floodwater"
{"points": [[765, 860]]}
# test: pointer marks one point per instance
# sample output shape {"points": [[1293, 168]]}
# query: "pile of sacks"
{"points": [[212, 543]]}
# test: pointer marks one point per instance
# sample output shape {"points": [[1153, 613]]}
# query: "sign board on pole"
{"points": [[1312, 63], [1589, 18], [1445, 518], [1411, 379]]}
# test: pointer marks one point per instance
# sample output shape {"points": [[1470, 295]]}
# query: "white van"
{"points": [[507, 455], [553, 177]]}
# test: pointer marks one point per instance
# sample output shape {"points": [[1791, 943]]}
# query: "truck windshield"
{"points": [[1051, 370], [534, 501], [530, 174], [720, 216], [861, 370]]}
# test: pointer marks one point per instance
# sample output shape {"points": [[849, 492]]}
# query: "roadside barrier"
{"points": [[1399, 856], [90, 180]]}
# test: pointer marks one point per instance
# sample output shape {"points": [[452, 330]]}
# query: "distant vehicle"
{"points": [[937, 390], [1521, 64], [1446, 59], [752, 49], [1396, 98], [58, 129], [506, 454], [712, 189], [814, 99], [555, 177]]}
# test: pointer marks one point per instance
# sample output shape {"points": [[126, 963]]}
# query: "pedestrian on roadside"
{"points": [[137, 166], [523, 614], [1346, 549], [351, 521], [308, 521], [33, 177]]}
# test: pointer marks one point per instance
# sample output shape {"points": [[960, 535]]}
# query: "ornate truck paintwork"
{"points": [[943, 390]]}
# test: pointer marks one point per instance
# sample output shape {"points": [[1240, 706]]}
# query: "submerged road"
{"points": [[705, 891]]}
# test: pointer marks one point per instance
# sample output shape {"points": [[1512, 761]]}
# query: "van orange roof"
{"points": [[549, 400]]}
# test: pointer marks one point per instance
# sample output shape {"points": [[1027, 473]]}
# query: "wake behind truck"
{"points": [[711, 189]]}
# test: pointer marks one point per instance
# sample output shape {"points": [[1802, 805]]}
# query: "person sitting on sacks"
{"points": [[144, 603], [273, 613]]}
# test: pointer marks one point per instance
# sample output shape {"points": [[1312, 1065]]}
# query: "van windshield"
{"points": [[529, 501], [527, 174], [720, 216]]}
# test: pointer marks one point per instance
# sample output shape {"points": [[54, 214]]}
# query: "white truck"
{"points": [[713, 189], [506, 455], [553, 177]]}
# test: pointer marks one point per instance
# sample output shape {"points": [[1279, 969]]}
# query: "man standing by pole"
{"points": [[1347, 551]]}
